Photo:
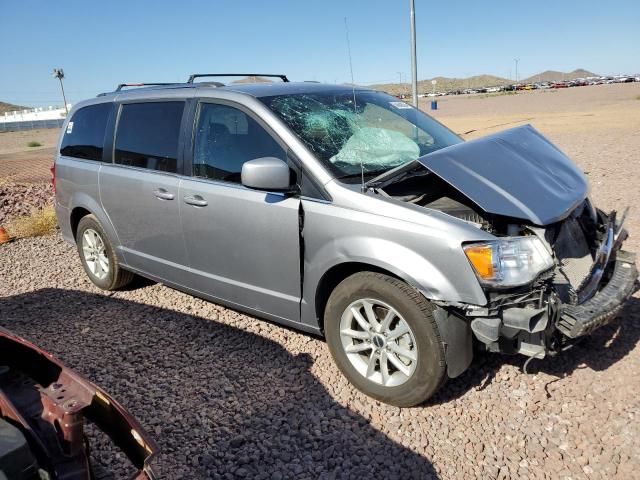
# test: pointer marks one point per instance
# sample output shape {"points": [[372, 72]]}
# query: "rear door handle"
{"points": [[162, 194], [195, 200]]}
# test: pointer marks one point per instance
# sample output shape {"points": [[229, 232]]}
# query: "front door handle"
{"points": [[195, 200], [162, 194]]}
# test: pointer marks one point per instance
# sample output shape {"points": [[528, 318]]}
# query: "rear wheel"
{"points": [[384, 338], [97, 256]]}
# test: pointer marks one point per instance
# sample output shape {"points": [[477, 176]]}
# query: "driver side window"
{"points": [[226, 138]]}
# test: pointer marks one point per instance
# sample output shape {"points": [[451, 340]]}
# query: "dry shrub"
{"points": [[33, 143], [40, 222]]}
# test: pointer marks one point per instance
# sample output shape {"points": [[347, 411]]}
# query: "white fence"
{"points": [[30, 119]]}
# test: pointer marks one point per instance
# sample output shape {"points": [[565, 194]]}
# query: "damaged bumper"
{"points": [[577, 320], [544, 318]]}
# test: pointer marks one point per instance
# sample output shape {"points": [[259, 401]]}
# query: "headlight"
{"points": [[509, 262]]}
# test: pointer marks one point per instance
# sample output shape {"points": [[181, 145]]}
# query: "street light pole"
{"points": [[516, 60], [59, 74], [400, 89], [414, 67]]}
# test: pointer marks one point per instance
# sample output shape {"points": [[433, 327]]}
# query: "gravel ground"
{"points": [[229, 396], [19, 199]]}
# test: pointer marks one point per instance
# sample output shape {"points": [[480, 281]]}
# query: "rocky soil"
{"points": [[230, 396], [19, 199]]}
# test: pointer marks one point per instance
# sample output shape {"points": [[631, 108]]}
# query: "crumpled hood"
{"points": [[516, 173]]}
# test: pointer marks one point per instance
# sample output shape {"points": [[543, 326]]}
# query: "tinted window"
{"points": [[147, 135], [226, 138], [84, 136]]}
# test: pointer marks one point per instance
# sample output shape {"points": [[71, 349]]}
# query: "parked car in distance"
{"points": [[344, 212]]}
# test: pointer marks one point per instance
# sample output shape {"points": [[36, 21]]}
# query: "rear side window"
{"points": [[147, 135], [84, 136]]}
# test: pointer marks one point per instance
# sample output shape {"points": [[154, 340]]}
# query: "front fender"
{"points": [[412, 267], [403, 262]]}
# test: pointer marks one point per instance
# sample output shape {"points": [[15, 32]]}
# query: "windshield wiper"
{"points": [[373, 173], [391, 173]]}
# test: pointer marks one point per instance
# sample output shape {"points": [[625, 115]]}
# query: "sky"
{"points": [[101, 44]]}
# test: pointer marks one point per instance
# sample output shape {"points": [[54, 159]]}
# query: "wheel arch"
{"points": [[455, 332], [76, 215], [81, 205], [336, 274]]}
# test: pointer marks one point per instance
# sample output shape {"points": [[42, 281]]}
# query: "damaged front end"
{"points": [[585, 289], [556, 270], [43, 406]]}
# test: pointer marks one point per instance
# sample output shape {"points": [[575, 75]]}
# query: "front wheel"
{"points": [[384, 338]]}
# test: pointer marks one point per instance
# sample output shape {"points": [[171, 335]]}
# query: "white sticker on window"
{"points": [[400, 105], [69, 127]]}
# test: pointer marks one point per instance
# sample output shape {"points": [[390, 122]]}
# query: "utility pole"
{"points": [[400, 89], [59, 74], [516, 60], [414, 62]]}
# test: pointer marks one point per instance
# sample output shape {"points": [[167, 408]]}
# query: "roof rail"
{"points": [[199, 75], [122, 85]]}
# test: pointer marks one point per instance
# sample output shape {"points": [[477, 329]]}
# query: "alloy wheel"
{"points": [[378, 342], [95, 253]]}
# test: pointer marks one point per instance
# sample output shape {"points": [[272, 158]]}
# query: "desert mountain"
{"points": [[554, 76], [8, 107]]}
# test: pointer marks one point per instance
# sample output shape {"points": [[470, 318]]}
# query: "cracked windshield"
{"points": [[360, 131]]}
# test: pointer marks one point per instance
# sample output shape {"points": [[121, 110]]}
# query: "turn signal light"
{"points": [[482, 259]]}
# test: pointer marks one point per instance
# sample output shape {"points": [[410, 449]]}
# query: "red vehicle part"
{"points": [[49, 402]]}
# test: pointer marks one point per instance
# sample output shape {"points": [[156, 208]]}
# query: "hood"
{"points": [[516, 173], [61, 399]]}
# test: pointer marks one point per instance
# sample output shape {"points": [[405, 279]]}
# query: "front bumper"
{"points": [[577, 320], [544, 319]]}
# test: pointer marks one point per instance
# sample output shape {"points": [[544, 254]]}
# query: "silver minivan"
{"points": [[343, 212]]}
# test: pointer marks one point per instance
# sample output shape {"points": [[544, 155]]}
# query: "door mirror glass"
{"points": [[266, 173]]}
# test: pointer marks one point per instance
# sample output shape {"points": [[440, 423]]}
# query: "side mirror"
{"points": [[266, 173]]}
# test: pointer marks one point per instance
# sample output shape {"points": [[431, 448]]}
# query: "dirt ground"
{"points": [[230, 396], [22, 164]]}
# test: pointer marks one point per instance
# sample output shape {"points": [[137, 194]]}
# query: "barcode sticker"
{"points": [[400, 105]]}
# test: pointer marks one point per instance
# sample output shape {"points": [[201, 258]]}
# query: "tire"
{"points": [[422, 371], [115, 276]]}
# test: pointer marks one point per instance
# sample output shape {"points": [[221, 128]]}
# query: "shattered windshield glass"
{"points": [[350, 131]]}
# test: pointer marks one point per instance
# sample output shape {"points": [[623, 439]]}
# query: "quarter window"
{"points": [[226, 138], [84, 135], [148, 134]]}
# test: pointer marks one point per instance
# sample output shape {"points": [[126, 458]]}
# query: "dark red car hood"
{"points": [[49, 402]]}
